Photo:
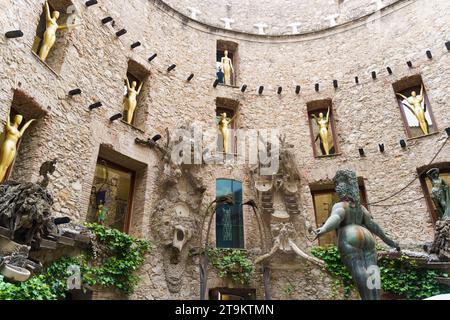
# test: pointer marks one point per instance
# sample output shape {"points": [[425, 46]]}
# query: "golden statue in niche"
{"points": [[416, 104], [11, 136], [227, 68], [224, 128], [50, 31], [323, 125], [131, 99]]}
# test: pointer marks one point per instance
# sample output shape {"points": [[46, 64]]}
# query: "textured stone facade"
{"points": [[366, 114]]}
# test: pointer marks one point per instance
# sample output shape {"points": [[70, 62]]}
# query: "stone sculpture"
{"points": [[355, 226], [10, 137], [131, 99], [416, 104], [50, 32]]}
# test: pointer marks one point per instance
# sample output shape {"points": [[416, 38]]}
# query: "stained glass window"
{"points": [[229, 218]]}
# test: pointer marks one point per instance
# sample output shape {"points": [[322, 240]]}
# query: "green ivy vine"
{"points": [[111, 263], [232, 263], [398, 276]]}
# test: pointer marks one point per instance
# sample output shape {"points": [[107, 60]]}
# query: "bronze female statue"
{"points": [[416, 104], [50, 31], [227, 67], [224, 128], [11, 134], [131, 99], [440, 193], [323, 124], [356, 227]]}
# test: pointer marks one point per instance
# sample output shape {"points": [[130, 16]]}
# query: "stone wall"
{"points": [[366, 114]]}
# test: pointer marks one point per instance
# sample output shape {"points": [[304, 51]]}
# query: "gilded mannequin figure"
{"points": [[440, 193], [417, 106], [11, 134], [50, 31], [356, 231], [224, 128], [227, 68], [323, 124], [131, 99]]}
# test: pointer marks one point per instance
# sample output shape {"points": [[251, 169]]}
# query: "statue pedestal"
{"points": [[441, 244]]}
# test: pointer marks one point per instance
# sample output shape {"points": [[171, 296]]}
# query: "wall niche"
{"points": [[24, 167], [57, 53], [322, 127], [415, 108]]}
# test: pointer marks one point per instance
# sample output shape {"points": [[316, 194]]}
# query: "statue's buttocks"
{"points": [[353, 236]]}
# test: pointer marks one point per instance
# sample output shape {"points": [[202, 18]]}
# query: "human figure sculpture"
{"points": [[131, 99], [323, 124], [11, 136], [224, 128], [227, 68], [356, 227], [416, 104], [440, 193], [50, 31]]}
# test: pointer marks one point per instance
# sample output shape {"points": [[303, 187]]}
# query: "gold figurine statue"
{"points": [[323, 124], [11, 136], [227, 68], [224, 128], [50, 31], [130, 100], [417, 106]]}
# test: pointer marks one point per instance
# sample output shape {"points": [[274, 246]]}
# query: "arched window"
{"points": [[229, 218]]}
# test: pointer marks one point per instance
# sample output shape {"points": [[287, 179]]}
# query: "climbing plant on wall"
{"points": [[233, 264], [398, 276], [111, 262]]}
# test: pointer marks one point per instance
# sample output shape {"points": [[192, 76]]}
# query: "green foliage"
{"points": [[403, 276], [289, 289], [34, 289], [232, 263], [330, 255], [399, 276], [112, 263]]}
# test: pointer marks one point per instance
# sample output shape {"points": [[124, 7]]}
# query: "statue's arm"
{"points": [[336, 217], [140, 87], [25, 127], [328, 115], [373, 227], [128, 84], [8, 119], [47, 11]]}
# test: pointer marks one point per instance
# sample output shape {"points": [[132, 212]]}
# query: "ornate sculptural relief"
{"points": [[416, 104], [130, 100], [227, 68], [10, 138], [355, 226], [224, 128], [324, 126], [50, 31]]}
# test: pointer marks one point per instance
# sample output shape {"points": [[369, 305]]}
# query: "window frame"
{"points": [[241, 218], [113, 165], [444, 167]]}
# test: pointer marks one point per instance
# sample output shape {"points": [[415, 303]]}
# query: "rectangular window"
{"points": [[232, 294], [111, 196], [229, 218], [321, 124], [324, 198], [415, 107]]}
